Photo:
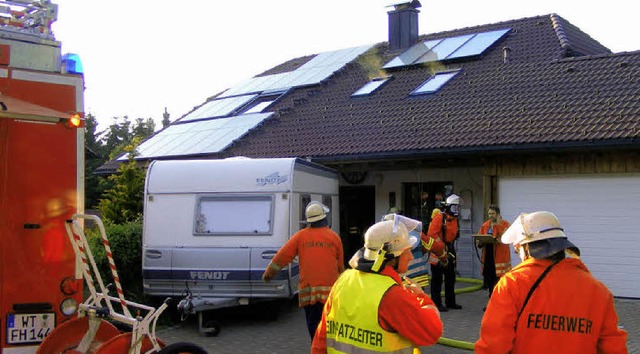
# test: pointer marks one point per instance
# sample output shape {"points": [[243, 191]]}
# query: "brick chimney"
{"points": [[403, 25]]}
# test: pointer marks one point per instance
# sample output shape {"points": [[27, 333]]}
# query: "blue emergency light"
{"points": [[72, 64]]}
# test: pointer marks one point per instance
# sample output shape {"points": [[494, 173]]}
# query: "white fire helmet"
{"points": [[453, 199], [394, 231], [315, 211], [452, 205], [526, 228], [540, 226]]}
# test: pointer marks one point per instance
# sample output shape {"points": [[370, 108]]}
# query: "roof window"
{"points": [[370, 86], [434, 83]]}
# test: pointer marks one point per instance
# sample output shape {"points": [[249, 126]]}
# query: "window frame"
{"points": [[269, 198], [451, 73]]}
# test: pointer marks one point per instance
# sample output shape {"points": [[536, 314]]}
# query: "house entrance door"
{"points": [[357, 213]]}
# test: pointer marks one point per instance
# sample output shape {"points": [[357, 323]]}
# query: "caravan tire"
{"points": [[212, 328], [182, 347]]}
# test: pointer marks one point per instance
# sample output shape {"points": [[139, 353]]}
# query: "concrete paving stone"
{"points": [[249, 329]]}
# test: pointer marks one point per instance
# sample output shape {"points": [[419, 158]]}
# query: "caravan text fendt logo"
{"points": [[273, 178]]}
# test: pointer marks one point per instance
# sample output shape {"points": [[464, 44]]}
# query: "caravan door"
{"points": [[263, 249]]}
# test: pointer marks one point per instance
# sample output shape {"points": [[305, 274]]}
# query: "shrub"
{"points": [[125, 241]]}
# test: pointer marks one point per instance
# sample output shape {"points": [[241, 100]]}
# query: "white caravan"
{"points": [[212, 226]]}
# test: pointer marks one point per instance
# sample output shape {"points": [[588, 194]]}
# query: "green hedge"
{"points": [[125, 241]]}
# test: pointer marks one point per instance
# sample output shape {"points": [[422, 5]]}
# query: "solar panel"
{"points": [[447, 48], [478, 44], [444, 49], [312, 72], [218, 108], [199, 137], [434, 83], [370, 86], [412, 54]]}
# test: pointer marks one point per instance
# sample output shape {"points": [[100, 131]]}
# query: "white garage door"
{"points": [[600, 214]]}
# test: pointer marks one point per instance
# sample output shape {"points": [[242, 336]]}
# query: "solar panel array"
{"points": [[312, 72], [199, 137], [218, 108], [210, 129], [447, 48]]}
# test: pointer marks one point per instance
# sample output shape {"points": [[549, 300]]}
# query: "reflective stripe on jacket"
{"points": [[313, 246], [502, 252], [346, 333], [418, 270], [569, 312]]}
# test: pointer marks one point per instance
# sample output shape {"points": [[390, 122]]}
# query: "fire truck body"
{"points": [[41, 180]]}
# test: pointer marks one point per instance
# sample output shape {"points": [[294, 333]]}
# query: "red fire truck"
{"points": [[41, 175]]}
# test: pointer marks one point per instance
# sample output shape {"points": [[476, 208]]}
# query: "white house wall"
{"points": [[467, 182]]}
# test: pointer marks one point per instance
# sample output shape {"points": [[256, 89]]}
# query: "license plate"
{"points": [[29, 327]]}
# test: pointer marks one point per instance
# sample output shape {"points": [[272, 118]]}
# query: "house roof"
{"points": [[543, 95], [543, 84]]}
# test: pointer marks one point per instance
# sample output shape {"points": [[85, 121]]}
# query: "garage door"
{"points": [[600, 214]]}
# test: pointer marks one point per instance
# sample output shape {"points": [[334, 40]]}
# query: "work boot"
{"points": [[442, 308], [455, 306]]}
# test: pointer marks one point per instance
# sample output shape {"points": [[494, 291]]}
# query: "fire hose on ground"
{"points": [[454, 342]]}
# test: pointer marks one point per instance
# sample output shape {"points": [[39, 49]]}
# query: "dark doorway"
{"points": [[420, 199], [357, 213]]}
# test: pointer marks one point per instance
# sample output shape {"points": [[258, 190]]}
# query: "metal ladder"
{"points": [[99, 305]]}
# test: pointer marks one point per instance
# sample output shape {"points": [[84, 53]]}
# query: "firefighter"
{"points": [[315, 245], [549, 303], [418, 271], [444, 228], [369, 309], [496, 257]]}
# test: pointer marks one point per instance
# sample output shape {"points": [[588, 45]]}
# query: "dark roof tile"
{"points": [[559, 86]]}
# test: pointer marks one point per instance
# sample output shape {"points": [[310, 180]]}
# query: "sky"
{"points": [[142, 57]]}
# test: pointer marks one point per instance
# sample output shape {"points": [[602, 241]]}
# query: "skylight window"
{"points": [[370, 86], [458, 47], [434, 83], [259, 107]]}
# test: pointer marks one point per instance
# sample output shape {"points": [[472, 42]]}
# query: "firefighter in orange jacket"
{"points": [[496, 257], [369, 308], [444, 228], [549, 303], [321, 262]]}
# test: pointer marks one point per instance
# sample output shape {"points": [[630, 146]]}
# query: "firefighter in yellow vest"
{"points": [[369, 309]]}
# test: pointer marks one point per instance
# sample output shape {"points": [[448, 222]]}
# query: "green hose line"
{"points": [[469, 289], [470, 280], [455, 343], [459, 343]]}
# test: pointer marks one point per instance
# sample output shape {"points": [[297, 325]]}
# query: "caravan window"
{"points": [[304, 200], [236, 215]]}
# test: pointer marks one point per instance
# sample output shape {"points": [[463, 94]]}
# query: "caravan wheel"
{"points": [[212, 328]]}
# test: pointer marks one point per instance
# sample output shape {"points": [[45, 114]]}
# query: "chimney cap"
{"points": [[403, 4]]}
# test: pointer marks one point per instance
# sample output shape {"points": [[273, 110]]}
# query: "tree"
{"points": [[94, 158], [120, 134], [107, 145], [124, 200]]}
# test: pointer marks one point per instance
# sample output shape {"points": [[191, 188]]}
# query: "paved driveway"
{"points": [[249, 330]]}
